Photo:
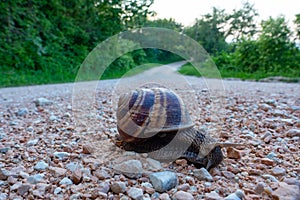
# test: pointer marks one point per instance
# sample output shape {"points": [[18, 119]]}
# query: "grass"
{"points": [[13, 78], [189, 69]]}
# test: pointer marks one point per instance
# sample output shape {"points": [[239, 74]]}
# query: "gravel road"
{"points": [[57, 141]]}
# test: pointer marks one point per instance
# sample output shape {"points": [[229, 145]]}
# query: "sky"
{"points": [[186, 11]]}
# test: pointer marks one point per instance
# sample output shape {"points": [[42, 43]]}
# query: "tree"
{"points": [[297, 22], [242, 22], [276, 49], [209, 31]]}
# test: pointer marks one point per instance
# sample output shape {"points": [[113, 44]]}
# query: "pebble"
{"points": [[73, 165], [285, 191], [181, 195], [21, 112], [238, 195], [267, 161], [233, 153], [260, 187], [153, 164], [228, 175], [35, 178], [4, 150], [76, 176], [42, 102], [278, 171], [184, 187], [269, 177], [130, 168], [57, 190], [135, 193], [87, 149], [66, 181], [163, 181], [104, 187], [53, 118], [164, 196], [61, 155], [57, 171], [3, 196], [4, 174], [23, 189], [41, 165], [293, 133], [32, 142], [118, 187], [212, 196], [202, 174]]}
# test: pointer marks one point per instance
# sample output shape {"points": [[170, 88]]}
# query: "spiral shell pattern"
{"points": [[143, 113]]}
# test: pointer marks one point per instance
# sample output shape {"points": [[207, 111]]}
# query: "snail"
{"points": [[155, 120]]}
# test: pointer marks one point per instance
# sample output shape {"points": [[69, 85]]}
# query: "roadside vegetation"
{"points": [[46, 41]]}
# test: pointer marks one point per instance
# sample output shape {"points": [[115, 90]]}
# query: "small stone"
{"points": [[57, 190], [42, 102], [293, 133], [212, 196], [61, 155], [228, 175], [41, 165], [153, 164], [147, 184], [163, 181], [130, 168], [4, 150], [267, 161], [278, 171], [184, 187], [238, 195], [101, 174], [267, 137], [24, 175], [4, 174], [66, 181], [270, 177], [53, 118], [260, 187], [76, 176], [182, 162], [181, 195], [35, 178], [11, 180], [15, 186], [164, 196], [87, 149], [3, 196], [285, 191], [202, 174], [104, 187], [57, 171], [233, 153], [73, 165], [21, 112], [135, 193], [265, 107], [118, 187], [32, 142], [23, 189]]}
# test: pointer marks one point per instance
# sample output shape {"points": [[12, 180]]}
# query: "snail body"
{"points": [[156, 120]]}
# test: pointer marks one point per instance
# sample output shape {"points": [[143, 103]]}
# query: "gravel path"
{"points": [[57, 141]]}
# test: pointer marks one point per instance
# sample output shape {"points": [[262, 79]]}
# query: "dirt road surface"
{"points": [[57, 141]]}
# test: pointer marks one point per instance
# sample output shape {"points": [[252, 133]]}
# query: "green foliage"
{"points": [[46, 41], [208, 31]]}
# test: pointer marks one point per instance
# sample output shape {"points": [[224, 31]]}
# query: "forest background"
{"points": [[45, 42]]}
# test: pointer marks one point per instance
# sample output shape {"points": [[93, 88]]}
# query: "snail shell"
{"points": [[143, 113]]}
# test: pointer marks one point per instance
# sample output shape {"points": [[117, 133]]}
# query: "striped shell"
{"points": [[143, 113]]}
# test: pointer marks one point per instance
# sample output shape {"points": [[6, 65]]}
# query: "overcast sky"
{"points": [[186, 11]]}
